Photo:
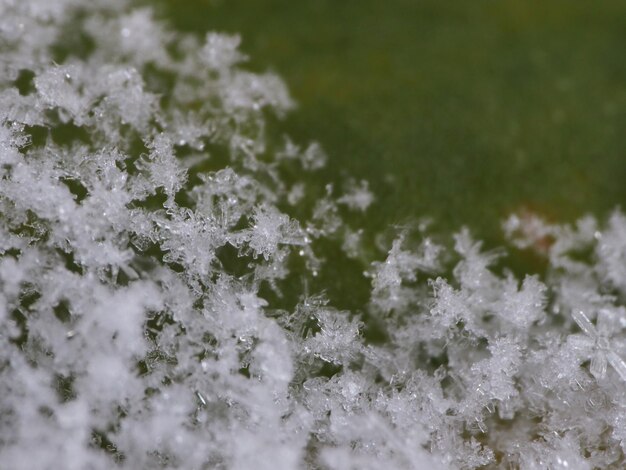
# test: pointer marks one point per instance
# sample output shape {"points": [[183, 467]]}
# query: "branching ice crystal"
{"points": [[595, 344]]}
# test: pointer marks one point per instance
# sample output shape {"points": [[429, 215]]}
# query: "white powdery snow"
{"points": [[145, 242]]}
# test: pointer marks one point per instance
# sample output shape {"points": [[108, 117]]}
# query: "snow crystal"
{"points": [[595, 344], [221, 52], [358, 197]]}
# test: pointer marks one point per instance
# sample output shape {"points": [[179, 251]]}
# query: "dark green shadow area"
{"points": [[460, 111]]}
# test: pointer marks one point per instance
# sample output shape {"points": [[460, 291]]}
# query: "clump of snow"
{"points": [[358, 196], [149, 265]]}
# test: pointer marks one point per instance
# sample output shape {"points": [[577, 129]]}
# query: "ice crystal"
{"points": [[358, 197], [595, 344]]}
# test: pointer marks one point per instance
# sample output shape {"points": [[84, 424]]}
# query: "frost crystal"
{"points": [[358, 197], [595, 344], [155, 265]]}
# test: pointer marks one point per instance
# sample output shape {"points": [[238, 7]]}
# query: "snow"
{"points": [[358, 196], [155, 314]]}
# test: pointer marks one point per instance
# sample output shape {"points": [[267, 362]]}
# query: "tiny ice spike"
{"points": [[595, 344]]}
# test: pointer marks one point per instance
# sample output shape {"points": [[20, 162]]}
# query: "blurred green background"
{"points": [[462, 111]]}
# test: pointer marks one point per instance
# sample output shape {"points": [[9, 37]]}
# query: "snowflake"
{"points": [[596, 344]]}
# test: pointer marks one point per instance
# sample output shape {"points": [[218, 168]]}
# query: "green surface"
{"points": [[463, 111], [460, 111]]}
